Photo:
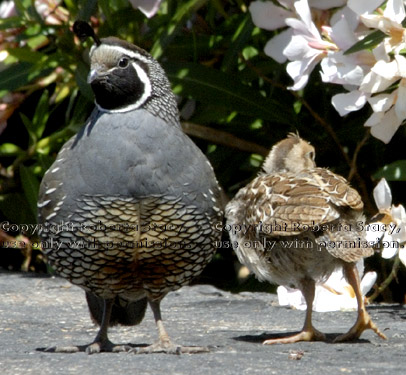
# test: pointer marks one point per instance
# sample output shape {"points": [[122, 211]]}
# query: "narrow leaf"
{"points": [[81, 73], [10, 149], [15, 76], [369, 42], [10, 23], [218, 88], [30, 186], [15, 208], [86, 9], [41, 115], [239, 39], [30, 128], [170, 30], [395, 171], [26, 54]]}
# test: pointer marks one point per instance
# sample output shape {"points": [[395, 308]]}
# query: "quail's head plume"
{"points": [[303, 225], [135, 199]]}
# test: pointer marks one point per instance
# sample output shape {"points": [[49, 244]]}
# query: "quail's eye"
{"points": [[123, 62], [311, 155]]}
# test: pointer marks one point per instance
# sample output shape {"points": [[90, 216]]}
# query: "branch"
{"points": [[330, 131], [388, 280], [223, 138]]}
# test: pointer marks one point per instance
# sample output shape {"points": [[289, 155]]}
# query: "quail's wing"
{"points": [[286, 203]]}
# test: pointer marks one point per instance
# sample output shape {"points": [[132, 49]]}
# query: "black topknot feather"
{"points": [[83, 30]]}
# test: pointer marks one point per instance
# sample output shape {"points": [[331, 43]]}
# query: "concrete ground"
{"points": [[38, 312]]}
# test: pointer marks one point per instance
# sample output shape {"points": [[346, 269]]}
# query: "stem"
{"points": [[223, 138], [388, 280], [330, 131], [360, 144]]}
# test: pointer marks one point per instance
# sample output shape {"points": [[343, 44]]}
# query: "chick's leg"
{"points": [[364, 321], [308, 332]]}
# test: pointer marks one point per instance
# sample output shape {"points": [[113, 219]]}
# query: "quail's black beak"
{"points": [[92, 76], [96, 73]]}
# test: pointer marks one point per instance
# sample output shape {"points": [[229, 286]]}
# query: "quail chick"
{"points": [[129, 206], [300, 222]]}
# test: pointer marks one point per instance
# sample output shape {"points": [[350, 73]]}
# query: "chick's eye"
{"points": [[123, 62], [311, 155]]}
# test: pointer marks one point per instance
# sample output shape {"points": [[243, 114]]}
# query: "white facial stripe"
{"points": [[123, 51], [141, 75]]}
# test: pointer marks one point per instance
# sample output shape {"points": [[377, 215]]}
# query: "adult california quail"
{"points": [[294, 224], [129, 207]]}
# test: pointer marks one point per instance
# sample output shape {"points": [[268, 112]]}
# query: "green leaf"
{"points": [[15, 76], [30, 128], [27, 9], [82, 70], [41, 115], [105, 7], [36, 126], [86, 9], [170, 29], [30, 185], [241, 36], [26, 54], [14, 207], [10, 23], [395, 171], [218, 88], [10, 149], [369, 42]]}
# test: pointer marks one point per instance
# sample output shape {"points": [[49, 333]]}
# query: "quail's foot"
{"points": [[95, 347], [305, 335], [363, 323], [308, 332], [169, 347], [108, 346]]}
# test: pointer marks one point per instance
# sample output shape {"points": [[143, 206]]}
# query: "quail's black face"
{"points": [[119, 77]]}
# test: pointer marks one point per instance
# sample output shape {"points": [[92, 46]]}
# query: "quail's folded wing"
{"points": [[287, 204]]}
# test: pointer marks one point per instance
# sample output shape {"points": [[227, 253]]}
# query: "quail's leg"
{"points": [[364, 321], [101, 343], [164, 344], [308, 332]]}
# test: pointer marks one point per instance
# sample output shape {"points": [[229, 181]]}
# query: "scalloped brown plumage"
{"points": [[301, 224]]}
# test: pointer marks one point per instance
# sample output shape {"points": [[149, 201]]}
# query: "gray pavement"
{"points": [[38, 312]]}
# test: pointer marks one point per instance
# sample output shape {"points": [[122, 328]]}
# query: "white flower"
{"points": [[383, 196], [369, 76], [7, 9], [274, 47], [364, 6], [340, 68], [389, 108], [326, 4], [390, 23], [269, 16], [148, 7], [394, 223], [306, 47], [333, 295], [348, 102]]}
